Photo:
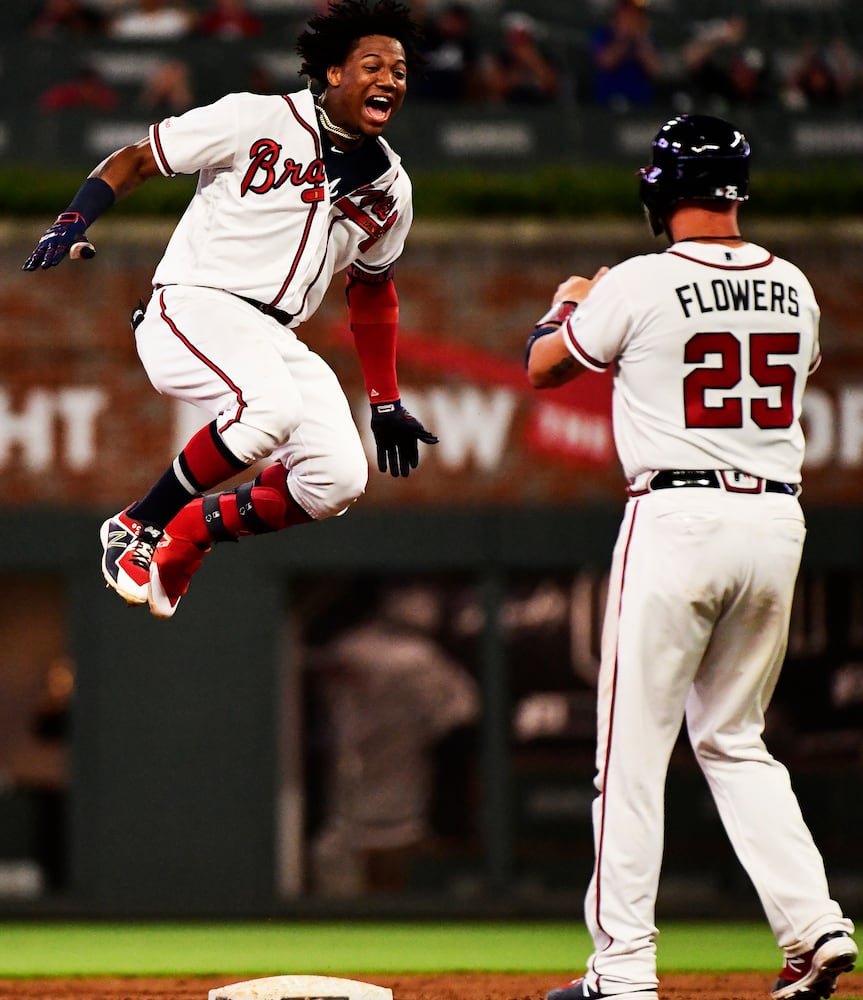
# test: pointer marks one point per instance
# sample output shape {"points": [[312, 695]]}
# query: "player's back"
{"points": [[719, 342]]}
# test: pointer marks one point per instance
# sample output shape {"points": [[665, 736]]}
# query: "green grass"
{"points": [[330, 948]]}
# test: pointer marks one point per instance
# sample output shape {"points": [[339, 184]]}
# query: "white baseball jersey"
{"points": [[712, 347], [264, 222]]}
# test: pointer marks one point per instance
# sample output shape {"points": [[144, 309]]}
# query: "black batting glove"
{"points": [[55, 242], [397, 434]]}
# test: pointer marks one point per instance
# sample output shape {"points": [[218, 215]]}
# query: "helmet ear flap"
{"points": [[657, 226]]}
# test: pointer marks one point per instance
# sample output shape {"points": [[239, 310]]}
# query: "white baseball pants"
{"points": [[696, 627], [271, 395]]}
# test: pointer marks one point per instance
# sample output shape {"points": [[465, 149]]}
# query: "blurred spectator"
{"points": [[87, 90], [821, 77], [168, 91], [451, 52], [521, 72], [625, 63], [724, 68], [392, 694], [229, 19], [153, 20], [58, 18]]}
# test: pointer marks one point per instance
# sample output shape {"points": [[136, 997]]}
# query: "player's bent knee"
{"points": [[332, 493]]}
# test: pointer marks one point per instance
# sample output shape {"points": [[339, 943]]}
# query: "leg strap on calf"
{"points": [[212, 515], [255, 508], [252, 521]]}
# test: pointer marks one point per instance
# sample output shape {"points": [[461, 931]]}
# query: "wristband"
{"points": [[540, 331], [94, 197], [559, 313]]}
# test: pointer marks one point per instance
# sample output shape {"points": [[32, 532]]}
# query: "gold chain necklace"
{"points": [[342, 133]]}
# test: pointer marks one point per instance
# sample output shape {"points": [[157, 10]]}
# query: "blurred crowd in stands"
{"points": [[512, 57]]}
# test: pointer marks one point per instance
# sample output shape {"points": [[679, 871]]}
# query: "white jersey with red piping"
{"points": [[263, 222], [711, 348]]}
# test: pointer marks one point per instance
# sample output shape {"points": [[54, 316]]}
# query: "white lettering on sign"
{"points": [[472, 424], [850, 420], [566, 430], [833, 427], [51, 427], [818, 424], [78, 410]]}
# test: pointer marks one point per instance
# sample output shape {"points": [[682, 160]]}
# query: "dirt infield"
{"points": [[463, 986]]}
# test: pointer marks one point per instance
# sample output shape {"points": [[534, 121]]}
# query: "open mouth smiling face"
{"points": [[379, 108], [366, 91]]}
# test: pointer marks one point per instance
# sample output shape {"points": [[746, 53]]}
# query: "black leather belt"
{"points": [[724, 479], [279, 315]]}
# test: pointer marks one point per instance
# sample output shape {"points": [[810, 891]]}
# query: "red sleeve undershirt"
{"points": [[374, 319]]}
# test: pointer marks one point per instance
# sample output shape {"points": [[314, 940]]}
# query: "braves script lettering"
{"points": [[371, 205], [377, 203], [267, 173]]}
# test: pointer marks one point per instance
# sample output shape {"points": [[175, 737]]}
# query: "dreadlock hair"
{"points": [[330, 37]]}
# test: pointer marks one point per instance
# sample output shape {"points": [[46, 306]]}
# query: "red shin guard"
{"points": [[252, 509]]}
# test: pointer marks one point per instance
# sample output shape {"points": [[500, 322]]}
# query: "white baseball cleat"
{"points": [[814, 973]]}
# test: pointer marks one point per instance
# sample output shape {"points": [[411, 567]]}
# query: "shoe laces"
{"points": [[142, 553]]}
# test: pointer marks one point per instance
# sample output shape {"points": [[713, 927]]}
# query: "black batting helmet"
{"points": [[695, 158]]}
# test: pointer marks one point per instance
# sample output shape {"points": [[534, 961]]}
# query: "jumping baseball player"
{"points": [[291, 189], [711, 343]]}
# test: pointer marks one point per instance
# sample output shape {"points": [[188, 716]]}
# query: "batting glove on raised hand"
{"points": [[69, 229], [397, 434]]}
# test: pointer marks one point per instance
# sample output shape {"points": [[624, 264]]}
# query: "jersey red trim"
{"points": [[235, 389], [724, 267], [585, 358], [318, 273], [313, 207], [611, 732], [159, 150]]}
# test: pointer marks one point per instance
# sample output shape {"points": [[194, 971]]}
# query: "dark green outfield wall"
{"points": [[174, 750]]}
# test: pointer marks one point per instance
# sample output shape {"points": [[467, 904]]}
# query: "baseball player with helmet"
{"points": [[711, 343], [291, 189]]}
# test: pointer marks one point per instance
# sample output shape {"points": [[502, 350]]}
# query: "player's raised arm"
{"points": [[113, 179]]}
